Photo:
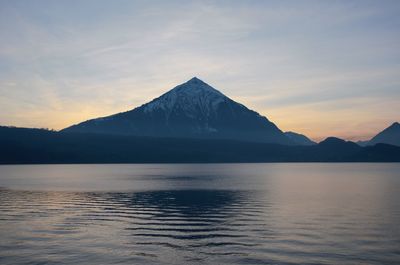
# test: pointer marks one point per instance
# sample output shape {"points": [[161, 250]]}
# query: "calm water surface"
{"points": [[200, 214]]}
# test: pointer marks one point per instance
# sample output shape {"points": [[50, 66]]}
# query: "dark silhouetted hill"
{"points": [[21, 146]]}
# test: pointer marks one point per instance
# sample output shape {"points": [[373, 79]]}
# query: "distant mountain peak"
{"points": [[193, 109], [195, 86], [338, 143], [299, 139], [332, 139], [390, 135], [195, 79]]}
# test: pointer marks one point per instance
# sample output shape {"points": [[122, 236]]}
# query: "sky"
{"points": [[321, 68]]}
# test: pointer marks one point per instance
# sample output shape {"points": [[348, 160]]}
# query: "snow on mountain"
{"points": [[194, 98], [192, 94]]}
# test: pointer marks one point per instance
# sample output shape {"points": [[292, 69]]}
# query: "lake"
{"points": [[285, 213]]}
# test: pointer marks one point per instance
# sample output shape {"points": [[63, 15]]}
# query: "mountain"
{"points": [[191, 110], [299, 139], [390, 135], [36, 146], [337, 149]]}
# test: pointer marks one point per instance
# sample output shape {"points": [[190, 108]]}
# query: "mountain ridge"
{"points": [[299, 139], [389, 135]]}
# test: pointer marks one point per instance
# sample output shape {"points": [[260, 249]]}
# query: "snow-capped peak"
{"points": [[191, 97]]}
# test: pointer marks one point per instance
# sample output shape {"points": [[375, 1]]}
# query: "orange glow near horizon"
{"points": [[313, 121]]}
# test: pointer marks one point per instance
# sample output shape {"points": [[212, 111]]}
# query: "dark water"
{"points": [[200, 214]]}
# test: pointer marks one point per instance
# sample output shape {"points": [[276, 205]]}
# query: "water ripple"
{"points": [[275, 225]]}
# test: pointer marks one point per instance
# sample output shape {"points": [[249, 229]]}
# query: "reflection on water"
{"points": [[215, 214]]}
